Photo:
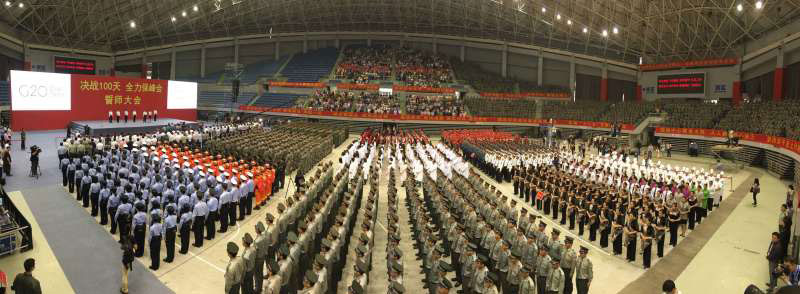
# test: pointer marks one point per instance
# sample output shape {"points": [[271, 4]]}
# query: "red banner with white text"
{"points": [[440, 118]]}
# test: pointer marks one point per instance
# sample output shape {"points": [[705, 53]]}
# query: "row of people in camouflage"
{"points": [[307, 248], [290, 148], [492, 246]]}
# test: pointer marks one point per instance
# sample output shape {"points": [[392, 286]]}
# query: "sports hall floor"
{"points": [[76, 255]]}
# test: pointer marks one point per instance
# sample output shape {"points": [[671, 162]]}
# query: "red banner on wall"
{"points": [[92, 97], [778, 142], [472, 119], [362, 87], [691, 63], [524, 95]]}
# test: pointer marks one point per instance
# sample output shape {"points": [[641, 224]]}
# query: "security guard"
{"points": [[555, 279], [170, 228], [234, 272], [583, 272], [568, 264], [249, 257]]}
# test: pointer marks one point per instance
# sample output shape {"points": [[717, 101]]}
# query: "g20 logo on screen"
{"points": [[40, 91]]}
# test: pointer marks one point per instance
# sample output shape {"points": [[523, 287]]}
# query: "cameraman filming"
{"points": [[35, 150]]}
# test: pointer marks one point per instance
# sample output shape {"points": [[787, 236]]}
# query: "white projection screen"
{"points": [[181, 95], [37, 91]]}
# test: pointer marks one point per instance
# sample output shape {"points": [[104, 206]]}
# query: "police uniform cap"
{"points": [[440, 248], [584, 249], [396, 266], [361, 266], [568, 240], [139, 206], [472, 246], [320, 259], [445, 283], [284, 250], [292, 237], [543, 247], [326, 243], [260, 226], [311, 277], [482, 258], [556, 232], [281, 206], [555, 260], [356, 288], [233, 249], [397, 287], [491, 277], [445, 267], [516, 254], [542, 225], [247, 238]]}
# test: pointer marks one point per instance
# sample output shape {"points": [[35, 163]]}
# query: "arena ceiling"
{"points": [[662, 30]]}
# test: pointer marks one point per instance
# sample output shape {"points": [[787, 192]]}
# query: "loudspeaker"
{"points": [[235, 89]]}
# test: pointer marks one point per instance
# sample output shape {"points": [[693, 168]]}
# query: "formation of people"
{"points": [[632, 203], [121, 116]]}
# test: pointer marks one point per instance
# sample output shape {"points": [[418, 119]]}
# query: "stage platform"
{"points": [[102, 127]]}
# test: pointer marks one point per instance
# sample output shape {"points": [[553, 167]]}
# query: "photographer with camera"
{"points": [[35, 150]]}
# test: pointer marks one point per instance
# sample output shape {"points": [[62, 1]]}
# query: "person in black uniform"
{"points": [[674, 221], [617, 230], [660, 231], [631, 232], [693, 210], [185, 228], [647, 242], [156, 231]]}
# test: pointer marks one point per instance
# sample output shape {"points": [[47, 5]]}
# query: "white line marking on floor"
{"points": [[382, 227], [207, 262]]}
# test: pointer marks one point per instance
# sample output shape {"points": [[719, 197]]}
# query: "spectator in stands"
{"points": [[420, 68], [365, 64], [791, 274], [446, 105], [25, 283]]}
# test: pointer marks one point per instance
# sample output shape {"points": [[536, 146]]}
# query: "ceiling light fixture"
{"points": [[8, 3], [585, 30], [544, 9], [615, 30], [569, 22], [21, 5], [605, 33], [759, 4], [183, 13], [173, 19], [133, 24], [558, 16], [739, 7], [195, 8]]}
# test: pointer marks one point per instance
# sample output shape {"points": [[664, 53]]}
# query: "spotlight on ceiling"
{"points": [[195, 8], [569, 22], [615, 30], [8, 3], [605, 33], [133, 24], [183, 13], [21, 5], [173, 19], [544, 9], [585, 30], [759, 4], [558, 16], [739, 7]]}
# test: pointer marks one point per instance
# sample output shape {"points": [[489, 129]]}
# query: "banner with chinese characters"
{"points": [[92, 97], [439, 118], [112, 94]]}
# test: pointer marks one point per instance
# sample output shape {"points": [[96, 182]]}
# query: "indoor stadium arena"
{"points": [[399, 146]]}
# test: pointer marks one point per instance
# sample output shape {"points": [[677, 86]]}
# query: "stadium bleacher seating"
{"points": [[311, 66], [277, 100], [252, 72], [520, 108], [222, 98], [5, 93]]}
